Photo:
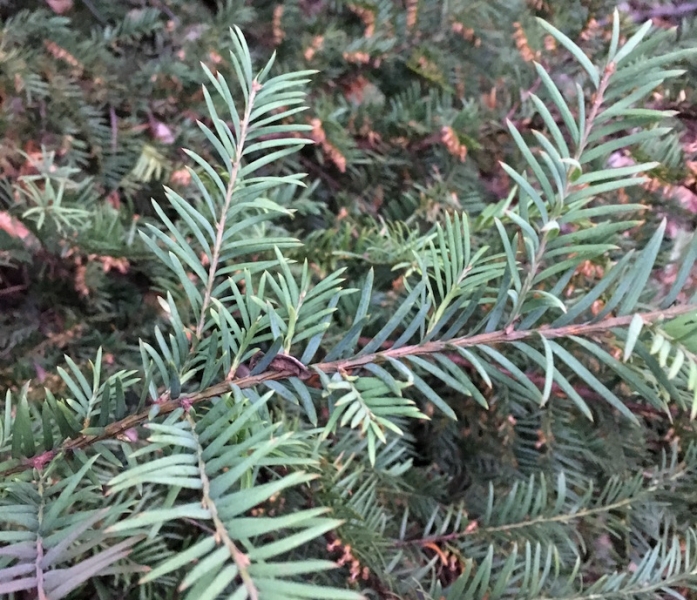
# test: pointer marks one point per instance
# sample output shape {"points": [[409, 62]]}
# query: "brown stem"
{"points": [[538, 380], [527, 283], [435, 539], [220, 226], [565, 517], [240, 559], [13, 289], [498, 337], [114, 129], [38, 568], [667, 11], [597, 103]]}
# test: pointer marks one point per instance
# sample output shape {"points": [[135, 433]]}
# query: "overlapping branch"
{"points": [[117, 428]]}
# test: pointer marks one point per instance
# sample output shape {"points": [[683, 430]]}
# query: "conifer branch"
{"points": [[221, 224], [221, 487], [508, 527], [598, 99], [39, 571], [348, 365], [221, 533], [527, 285]]}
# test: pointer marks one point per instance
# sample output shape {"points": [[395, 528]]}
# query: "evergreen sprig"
{"points": [[284, 407]]}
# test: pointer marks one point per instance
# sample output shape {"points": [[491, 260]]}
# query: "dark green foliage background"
{"points": [[138, 64]]}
